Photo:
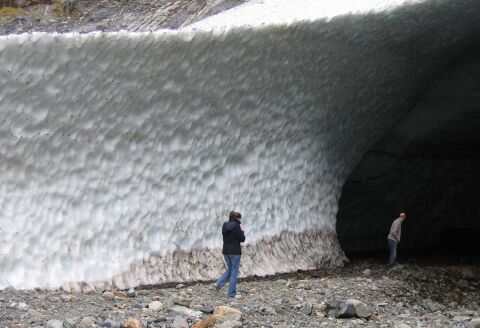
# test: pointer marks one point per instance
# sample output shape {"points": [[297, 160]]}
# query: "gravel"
{"points": [[407, 296]]}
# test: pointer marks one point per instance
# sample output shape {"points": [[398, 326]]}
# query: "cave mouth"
{"points": [[427, 165]]}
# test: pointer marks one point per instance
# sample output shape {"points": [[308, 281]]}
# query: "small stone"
{"points": [[269, 310], [131, 293], [461, 318], [401, 325], [361, 309], [180, 322], [207, 309], [179, 286], [86, 322], [54, 324], [147, 311], [179, 310], [367, 272], [132, 323], [109, 296], [112, 323], [307, 308], [22, 306], [69, 323], [475, 323], [322, 307], [225, 313], [155, 306], [182, 301], [34, 314]]}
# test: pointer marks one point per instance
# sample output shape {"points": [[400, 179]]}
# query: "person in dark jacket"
{"points": [[233, 235]]}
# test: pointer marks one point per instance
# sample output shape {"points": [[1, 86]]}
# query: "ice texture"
{"points": [[121, 154]]}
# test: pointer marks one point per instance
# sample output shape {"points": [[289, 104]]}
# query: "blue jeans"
{"points": [[392, 244], [233, 266]]}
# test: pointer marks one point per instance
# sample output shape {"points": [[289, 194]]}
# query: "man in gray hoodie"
{"points": [[394, 238]]}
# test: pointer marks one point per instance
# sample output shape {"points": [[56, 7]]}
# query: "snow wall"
{"points": [[121, 154]]}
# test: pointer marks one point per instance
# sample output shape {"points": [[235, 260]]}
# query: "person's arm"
{"points": [[396, 231], [239, 233]]}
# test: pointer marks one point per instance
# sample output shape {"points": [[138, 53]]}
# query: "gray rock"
{"points": [[182, 301], [54, 324], [361, 309], [401, 325], [155, 306], [228, 324], [112, 323], [22, 306], [461, 318], [109, 296], [307, 308], [269, 310], [34, 314], [180, 322], [131, 293], [278, 301], [432, 305], [179, 310], [86, 322], [207, 309], [69, 323], [340, 309], [475, 323]]}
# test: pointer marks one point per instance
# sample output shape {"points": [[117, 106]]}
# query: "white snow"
{"points": [[124, 148]]}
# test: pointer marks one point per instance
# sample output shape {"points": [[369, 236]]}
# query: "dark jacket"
{"points": [[232, 237]]}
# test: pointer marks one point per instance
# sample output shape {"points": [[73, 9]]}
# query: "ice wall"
{"points": [[122, 153]]}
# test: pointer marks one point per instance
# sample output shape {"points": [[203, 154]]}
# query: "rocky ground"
{"points": [[363, 294], [83, 16]]}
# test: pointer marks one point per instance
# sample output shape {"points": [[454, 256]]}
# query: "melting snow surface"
{"points": [[117, 146]]}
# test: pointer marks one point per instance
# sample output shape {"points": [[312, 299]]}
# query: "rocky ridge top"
{"points": [[84, 16]]}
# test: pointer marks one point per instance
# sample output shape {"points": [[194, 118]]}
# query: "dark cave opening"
{"points": [[427, 165]]}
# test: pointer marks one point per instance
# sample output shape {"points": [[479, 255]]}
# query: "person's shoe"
{"points": [[216, 288], [236, 297]]}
